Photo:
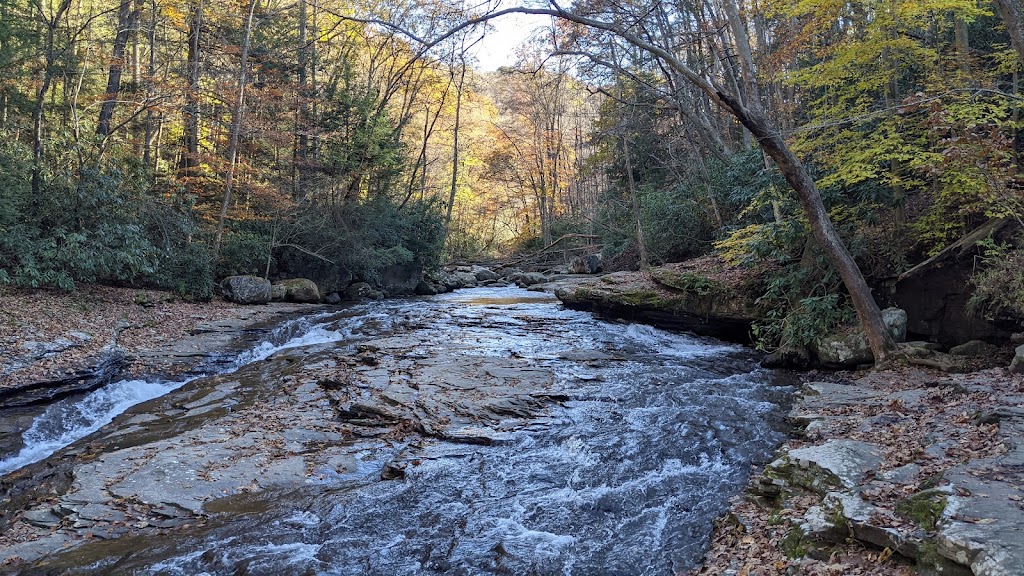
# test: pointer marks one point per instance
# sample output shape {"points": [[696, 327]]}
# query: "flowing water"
{"points": [[624, 476]]}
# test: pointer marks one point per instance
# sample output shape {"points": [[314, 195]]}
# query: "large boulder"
{"points": [[850, 348], [974, 349], [591, 264], [425, 288], [1017, 364], [246, 289], [278, 292], [464, 279], [300, 290], [484, 274], [525, 279], [400, 278]]}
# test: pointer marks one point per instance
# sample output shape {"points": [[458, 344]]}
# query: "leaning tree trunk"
{"points": [[881, 342]]}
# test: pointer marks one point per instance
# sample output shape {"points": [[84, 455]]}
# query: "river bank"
{"points": [[891, 469], [46, 335]]}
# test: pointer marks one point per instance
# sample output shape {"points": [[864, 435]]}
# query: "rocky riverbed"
{"points": [[485, 431]]}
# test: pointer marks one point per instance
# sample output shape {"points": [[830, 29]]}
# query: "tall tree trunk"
{"points": [[150, 130], [236, 123], [190, 114], [300, 155], [634, 201], [127, 14]]}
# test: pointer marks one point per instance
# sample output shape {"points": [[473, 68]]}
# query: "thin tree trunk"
{"points": [[455, 147], [236, 123], [150, 132], [300, 156], [38, 111], [635, 204], [126, 17], [190, 114]]}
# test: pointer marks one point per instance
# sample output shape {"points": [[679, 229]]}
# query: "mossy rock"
{"points": [[923, 509], [690, 282], [300, 290]]}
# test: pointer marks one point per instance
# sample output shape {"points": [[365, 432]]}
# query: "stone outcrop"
{"points": [[246, 289], [399, 279], [937, 292], [241, 434], [664, 299], [955, 509], [300, 290]]}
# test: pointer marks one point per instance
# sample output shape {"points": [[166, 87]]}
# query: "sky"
{"points": [[498, 47]]}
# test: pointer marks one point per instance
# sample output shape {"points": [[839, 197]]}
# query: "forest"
{"points": [[170, 143], [645, 193]]}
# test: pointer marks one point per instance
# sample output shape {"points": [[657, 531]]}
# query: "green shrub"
{"points": [[83, 227], [999, 282], [243, 252], [802, 303], [188, 271]]}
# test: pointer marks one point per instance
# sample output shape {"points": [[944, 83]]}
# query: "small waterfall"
{"points": [[71, 419]]}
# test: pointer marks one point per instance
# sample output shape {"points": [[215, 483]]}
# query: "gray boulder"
{"points": [[509, 272], [483, 274], [973, 349], [1017, 364], [529, 279], [850, 349], [278, 292], [591, 264], [246, 289], [332, 298], [425, 288], [300, 290], [465, 279], [362, 291]]}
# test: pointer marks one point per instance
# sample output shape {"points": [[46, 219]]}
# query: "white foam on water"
{"points": [[264, 350], [65, 422], [675, 345]]}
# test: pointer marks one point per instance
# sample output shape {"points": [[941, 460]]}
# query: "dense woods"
{"points": [[168, 143]]}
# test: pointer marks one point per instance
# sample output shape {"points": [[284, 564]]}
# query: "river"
{"points": [[599, 448]]}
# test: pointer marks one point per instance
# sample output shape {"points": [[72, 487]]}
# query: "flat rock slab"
{"points": [[840, 463]]}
